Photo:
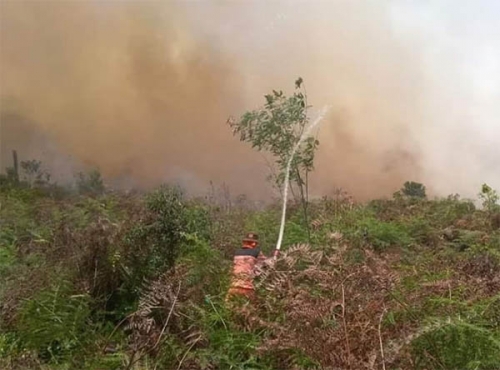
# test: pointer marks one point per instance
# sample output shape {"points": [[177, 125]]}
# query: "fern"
{"points": [[318, 223], [157, 305], [456, 345], [298, 260]]}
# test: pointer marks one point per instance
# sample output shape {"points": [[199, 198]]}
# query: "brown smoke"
{"points": [[121, 86], [143, 89]]}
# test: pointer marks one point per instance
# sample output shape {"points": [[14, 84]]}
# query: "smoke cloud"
{"points": [[143, 90]]}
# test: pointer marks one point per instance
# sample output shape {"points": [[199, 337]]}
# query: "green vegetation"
{"points": [[412, 189], [102, 280]]}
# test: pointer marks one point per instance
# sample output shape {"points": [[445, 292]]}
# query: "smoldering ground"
{"points": [[143, 90]]}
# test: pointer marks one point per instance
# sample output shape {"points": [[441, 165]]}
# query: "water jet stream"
{"points": [[304, 135]]}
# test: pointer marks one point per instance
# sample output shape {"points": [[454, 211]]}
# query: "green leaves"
{"points": [[489, 197], [55, 322], [456, 345], [382, 235], [160, 234], [276, 128], [413, 190]]}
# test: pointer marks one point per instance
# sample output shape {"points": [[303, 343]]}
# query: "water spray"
{"points": [[304, 135]]}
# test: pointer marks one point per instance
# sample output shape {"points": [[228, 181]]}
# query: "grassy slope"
{"points": [[400, 284]]}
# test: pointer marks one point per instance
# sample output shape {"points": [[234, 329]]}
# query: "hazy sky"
{"points": [[462, 52]]}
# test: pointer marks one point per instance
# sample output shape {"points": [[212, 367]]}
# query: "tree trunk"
{"points": [[16, 166], [303, 198]]}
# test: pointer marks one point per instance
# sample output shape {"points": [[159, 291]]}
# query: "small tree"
{"points": [[34, 173], [276, 128], [154, 242], [90, 183], [489, 197], [413, 190]]}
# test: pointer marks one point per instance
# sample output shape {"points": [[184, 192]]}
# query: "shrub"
{"points": [[382, 235], [90, 183], [413, 190], [35, 175], [9, 179], [198, 221], [54, 323], [154, 243], [422, 231], [444, 212], [466, 239], [206, 270], [457, 345], [224, 344], [7, 259]]}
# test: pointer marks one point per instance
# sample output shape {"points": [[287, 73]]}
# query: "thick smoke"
{"points": [[143, 90]]}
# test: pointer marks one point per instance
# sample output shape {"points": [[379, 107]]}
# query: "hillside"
{"points": [[102, 280]]}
